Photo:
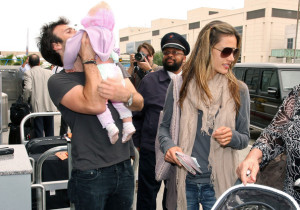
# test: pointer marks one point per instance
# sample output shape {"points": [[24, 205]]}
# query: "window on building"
{"points": [[124, 39], [256, 14], [282, 13], [289, 43], [194, 25], [212, 12], [155, 33], [239, 29]]}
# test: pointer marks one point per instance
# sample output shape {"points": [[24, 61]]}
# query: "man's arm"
{"points": [[113, 90], [27, 85], [86, 99]]}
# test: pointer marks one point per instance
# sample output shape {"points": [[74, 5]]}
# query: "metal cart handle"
{"points": [[35, 114]]}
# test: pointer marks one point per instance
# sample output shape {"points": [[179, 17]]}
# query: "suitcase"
{"points": [[42, 144], [53, 169]]}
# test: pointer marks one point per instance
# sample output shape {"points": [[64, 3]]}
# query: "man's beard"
{"points": [[172, 68]]}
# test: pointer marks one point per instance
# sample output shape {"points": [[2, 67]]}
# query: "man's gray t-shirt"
{"points": [[91, 147]]}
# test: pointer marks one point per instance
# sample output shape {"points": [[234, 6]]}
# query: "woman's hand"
{"points": [[171, 156], [223, 135], [248, 169]]}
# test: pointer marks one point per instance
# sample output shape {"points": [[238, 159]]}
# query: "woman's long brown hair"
{"points": [[199, 64]]}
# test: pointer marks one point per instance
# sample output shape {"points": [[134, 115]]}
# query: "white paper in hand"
{"points": [[188, 162]]}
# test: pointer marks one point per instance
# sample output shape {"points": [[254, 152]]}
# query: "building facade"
{"points": [[267, 28]]}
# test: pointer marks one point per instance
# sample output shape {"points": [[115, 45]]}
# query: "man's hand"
{"points": [[113, 90], [223, 135], [86, 51], [171, 156]]}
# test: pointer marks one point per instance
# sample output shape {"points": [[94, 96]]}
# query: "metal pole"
{"points": [[296, 32]]}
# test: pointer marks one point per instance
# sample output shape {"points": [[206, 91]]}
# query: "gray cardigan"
{"points": [[240, 136]]}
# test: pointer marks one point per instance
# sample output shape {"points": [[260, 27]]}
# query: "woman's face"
{"points": [[221, 61]]}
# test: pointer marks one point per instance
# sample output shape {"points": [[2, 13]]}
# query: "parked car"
{"points": [[268, 84]]}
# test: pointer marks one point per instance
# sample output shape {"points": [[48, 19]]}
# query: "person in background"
{"points": [[153, 88], [282, 134], [35, 88], [23, 68], [139, 68], [214, 119], [102, 175]]}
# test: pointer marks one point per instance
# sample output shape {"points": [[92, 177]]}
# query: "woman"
{"points": [[283, 134], [214, 119]]}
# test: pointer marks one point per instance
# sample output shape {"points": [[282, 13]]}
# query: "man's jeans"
{"points": [[104, 188], [200, 193]]}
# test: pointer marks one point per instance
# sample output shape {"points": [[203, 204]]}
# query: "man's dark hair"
{"points": [[47, 38], [34, 60]]}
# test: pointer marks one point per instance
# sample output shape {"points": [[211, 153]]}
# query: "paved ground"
{"points": [[243, 153]]}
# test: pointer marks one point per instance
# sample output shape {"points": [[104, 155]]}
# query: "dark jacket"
{"points": [[153, 88]]}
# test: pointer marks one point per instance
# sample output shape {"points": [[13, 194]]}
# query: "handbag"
{"points": [[163, 168], [274, 173]]}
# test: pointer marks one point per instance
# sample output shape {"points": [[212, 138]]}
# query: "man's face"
{"points": [[64, 32], [173, 59]]}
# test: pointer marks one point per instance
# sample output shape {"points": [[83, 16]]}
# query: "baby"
{"points": [[99, 24]]}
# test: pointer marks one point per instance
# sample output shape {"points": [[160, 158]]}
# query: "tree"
{"points": [[158, 56], [7, 60]]}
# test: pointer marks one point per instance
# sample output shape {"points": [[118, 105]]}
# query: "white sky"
{"points": [[19, 15]]}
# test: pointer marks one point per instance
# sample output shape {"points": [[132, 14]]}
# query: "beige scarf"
{"points": [[223, 160]]}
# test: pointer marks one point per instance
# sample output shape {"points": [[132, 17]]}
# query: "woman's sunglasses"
{"points": [[227, 51]]}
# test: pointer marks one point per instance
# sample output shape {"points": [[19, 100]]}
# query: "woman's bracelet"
{"points": [[90, 61]]}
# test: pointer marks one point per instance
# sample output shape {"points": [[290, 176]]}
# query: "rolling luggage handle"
{"points": [[51, 185], [35, 114]]}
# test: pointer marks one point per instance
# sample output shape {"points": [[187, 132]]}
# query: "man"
{"points": [[35, 87], [139, 68], [23, 68], [102, 175], [154, 88]]}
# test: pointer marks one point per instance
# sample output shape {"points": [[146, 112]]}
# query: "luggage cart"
{"points": [[41, 186]]}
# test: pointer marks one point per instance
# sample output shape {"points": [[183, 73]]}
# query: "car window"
{"points": [[238, 72], [252, 79], [269, 79], [290, 78]]}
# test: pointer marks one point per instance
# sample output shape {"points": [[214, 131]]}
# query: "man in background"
{"points": [[35, 87], [139, 68], [154, 89]]}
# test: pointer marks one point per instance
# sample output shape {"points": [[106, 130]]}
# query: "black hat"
{"points": [[175, 40]]}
